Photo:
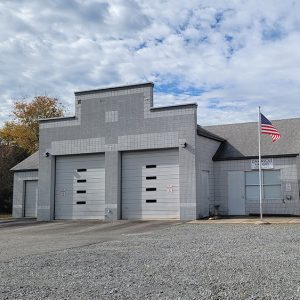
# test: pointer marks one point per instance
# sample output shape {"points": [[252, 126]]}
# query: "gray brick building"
{"points": [[123, 158]]}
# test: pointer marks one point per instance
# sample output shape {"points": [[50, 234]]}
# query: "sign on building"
{"points": [[266, 163]]}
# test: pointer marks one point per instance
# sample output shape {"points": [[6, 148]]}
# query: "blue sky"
{"points": [[228, 56]]}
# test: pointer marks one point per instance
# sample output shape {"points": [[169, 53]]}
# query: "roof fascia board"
{"points": [[114, 88], [255, 157], [24, 170]]}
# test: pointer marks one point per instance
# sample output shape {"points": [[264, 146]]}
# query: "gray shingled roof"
{"points": [[30, 163], [242, 140], [203, 132]]}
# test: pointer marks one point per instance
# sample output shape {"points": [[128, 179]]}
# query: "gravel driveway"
{"points": [[183, 261]]}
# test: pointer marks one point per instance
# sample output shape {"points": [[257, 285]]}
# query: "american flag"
{"points": [[268, 128]]}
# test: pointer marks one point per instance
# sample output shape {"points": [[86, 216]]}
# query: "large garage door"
{"points": [[80, 187], [31, 196], [150, 185]]}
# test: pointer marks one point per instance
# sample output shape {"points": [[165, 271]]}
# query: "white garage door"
{"points": [[150, 185], [31, 196], [80, 187]]}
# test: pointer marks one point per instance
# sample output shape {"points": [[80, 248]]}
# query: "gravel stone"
{"points": [[189, 261]]}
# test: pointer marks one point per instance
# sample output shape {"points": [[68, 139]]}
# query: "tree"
{"points": [[19, 138], [9, 157], [23, 130]]}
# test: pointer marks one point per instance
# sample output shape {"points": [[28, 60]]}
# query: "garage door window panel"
{"points": [[151, 189], [151, 201], [150, 166], [271, 184], [81, 180]]}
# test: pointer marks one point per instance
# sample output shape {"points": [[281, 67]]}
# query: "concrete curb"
{"points": [[254, 221]]}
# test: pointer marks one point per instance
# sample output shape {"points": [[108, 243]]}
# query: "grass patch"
{"points": [[5, 216]]}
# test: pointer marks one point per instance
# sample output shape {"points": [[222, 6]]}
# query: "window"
{"points": [[150, 189], [81, 202], [81, 180], [270, 182], [81, 170], [150, 177], [151, 201], [150, 166]]}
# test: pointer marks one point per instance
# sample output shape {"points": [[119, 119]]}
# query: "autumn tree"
{"points": [[10, 155], [23, 129]]}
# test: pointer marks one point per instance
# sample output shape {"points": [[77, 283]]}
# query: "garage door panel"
{"points": [[73, 201], [159, 185], [88, 191], [71, 197], [63, 174], [151, 178], [81, 186], [91, 213], [86, 160], [153, 207], [136, 178], [87, 216], [84, 208], [145, 195], [141, 170], [77, 191], [146, 216], [152, 211], [69, 191], [77, 217], [151, 160]]}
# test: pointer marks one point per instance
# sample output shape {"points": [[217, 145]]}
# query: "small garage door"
{"points": [[80, 187], [150, 185], [31, 196]]}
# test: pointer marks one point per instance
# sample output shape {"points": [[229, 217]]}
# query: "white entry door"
{"points": [[236, 193], [31, 196], [204, 194]]}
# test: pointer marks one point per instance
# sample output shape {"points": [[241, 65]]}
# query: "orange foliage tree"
{"points": [[10, 155], [23, 130]]}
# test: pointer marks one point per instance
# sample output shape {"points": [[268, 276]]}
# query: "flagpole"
{"points": [[259, 164]]}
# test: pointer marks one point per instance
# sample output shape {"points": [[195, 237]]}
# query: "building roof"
{"points": [[114, 88], [30, 163], [242, 140], [203, 132]]}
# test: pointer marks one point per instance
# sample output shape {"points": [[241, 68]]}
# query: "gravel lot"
{"points": [[189, 261]]}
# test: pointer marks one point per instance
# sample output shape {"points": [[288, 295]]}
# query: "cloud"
{"points": [[229, 57]]}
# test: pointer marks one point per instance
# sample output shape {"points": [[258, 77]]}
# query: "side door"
{"points": [[236, 193]]}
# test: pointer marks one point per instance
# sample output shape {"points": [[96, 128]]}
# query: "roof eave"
{"points": [[205, 133], [215, 158], [113, 88], [23, 170]]}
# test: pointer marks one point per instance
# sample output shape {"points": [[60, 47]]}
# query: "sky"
{"points": [[228, 56]]}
